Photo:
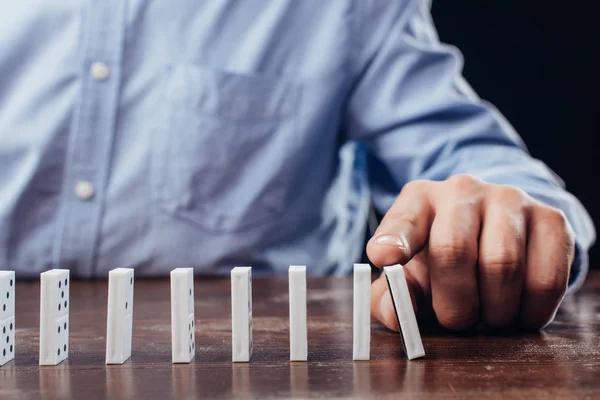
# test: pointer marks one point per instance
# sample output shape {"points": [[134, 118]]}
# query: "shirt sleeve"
{"points": [[419, 119]]}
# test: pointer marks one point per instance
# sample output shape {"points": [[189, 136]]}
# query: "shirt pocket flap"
{"points": [[231, 96]]}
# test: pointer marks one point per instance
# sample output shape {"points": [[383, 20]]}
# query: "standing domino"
{"points": [[241, 314], [120, 315], [298, 330], [361, 338], [409, 330], [182, 315], [54, 316], [7, 316]]}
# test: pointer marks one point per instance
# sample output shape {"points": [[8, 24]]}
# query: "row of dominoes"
{"points": [[54, 314], [241, 313]]}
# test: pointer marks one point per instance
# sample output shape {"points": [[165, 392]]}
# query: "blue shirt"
{"points": [[163, 134]]}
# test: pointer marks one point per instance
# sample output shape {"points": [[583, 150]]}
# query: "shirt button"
{"points": [[84, 190], [99, 71]]}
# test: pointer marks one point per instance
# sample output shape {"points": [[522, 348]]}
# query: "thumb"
{"points": [[404, 230]]}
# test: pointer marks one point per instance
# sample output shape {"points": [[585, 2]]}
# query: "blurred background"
{"points": [[536, 62]]}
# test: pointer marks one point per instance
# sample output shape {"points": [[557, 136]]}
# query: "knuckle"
{"points": [[418, 186], [552, 215], [457, 319], [553, 286], [503, 264], [510, 195], [464, 182], [453, 253], [556, 220]]}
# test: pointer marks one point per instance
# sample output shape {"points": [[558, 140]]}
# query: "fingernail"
{"points": [[387, 311], [391, 240]]}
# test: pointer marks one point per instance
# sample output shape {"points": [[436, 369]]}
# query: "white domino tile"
{"points": [[361, 338], [407, 321], [54, 316], [119, 315], [183, 341], [298, 329], [241, 314], [7, 316]]}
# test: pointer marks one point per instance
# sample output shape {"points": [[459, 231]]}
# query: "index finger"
{"points": [[404, 230]]}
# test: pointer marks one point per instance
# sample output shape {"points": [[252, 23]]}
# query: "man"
{"points": [[155, 135]]}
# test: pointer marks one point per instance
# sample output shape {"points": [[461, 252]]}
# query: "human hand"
{"points": [[473, 252]]}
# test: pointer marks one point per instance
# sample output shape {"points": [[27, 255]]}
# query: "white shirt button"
{"points": [[84, 190], [99, 71]]}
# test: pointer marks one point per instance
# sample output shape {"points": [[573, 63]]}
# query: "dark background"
{"points": [[536, 62]]}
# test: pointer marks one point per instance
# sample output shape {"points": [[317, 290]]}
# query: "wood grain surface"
{"points": [[563, 361]]}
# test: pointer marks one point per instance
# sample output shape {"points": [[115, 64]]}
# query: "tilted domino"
{"points": [[298, 329], [407, 321], [361, 338], [7, 316], [119, 321], [54, 316], [183, 342], [241, 314]]}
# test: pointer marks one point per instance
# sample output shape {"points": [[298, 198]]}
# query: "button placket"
{"points": [[91, 137]]}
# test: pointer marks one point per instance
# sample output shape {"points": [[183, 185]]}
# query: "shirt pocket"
{"points": [[220, 160]]}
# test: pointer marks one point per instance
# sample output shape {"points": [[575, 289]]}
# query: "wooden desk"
{"points": [[564, 361]]}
